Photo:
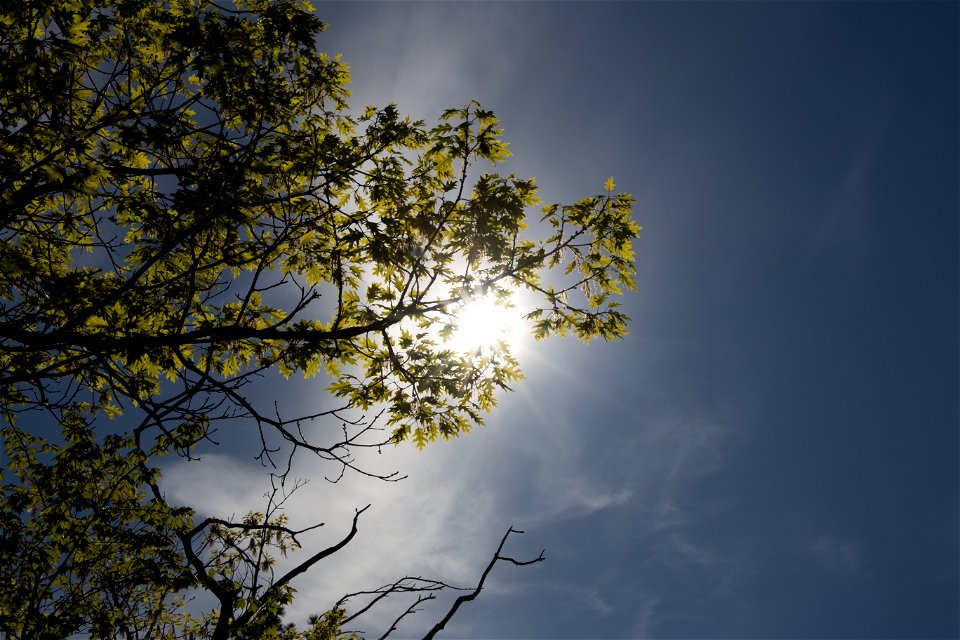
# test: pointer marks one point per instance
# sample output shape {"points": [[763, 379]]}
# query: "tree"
{"points": [[188, 204]]}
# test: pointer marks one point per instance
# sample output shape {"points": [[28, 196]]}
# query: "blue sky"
{"points": [[773, 451]]}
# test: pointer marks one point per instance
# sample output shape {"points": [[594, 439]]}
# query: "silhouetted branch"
{"points": [[473, 594], [302, 568], [411, 609], [403, 585]]}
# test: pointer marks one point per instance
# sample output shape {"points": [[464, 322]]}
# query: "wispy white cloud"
{"points": [[532, 466], [843, 220], [218, 484], [837, 554], [443, 521], [461, 58], [678, 453], [645, 615], [428, 525]]}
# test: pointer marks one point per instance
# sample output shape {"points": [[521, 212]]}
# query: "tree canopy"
{"points": [[188, 203]]}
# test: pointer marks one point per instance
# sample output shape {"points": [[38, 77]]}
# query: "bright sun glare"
{"points": [[482, 323]]}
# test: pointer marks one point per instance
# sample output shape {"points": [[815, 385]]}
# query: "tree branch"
{"points": [[473, 594], [301, 568]]}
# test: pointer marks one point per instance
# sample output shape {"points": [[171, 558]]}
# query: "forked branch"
{"points": [[473, 594]]}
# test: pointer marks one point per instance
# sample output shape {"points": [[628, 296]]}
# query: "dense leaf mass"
{"points": [[187, 203]]}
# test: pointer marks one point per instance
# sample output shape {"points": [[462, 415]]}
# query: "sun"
{"points": [[483, 324]]}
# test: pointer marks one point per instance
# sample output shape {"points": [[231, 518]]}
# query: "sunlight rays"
{"points": [[484, 324]]}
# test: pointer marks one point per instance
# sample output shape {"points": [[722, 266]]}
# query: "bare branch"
{"points": [[409, 610], [473, 594], [303, 567]]}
